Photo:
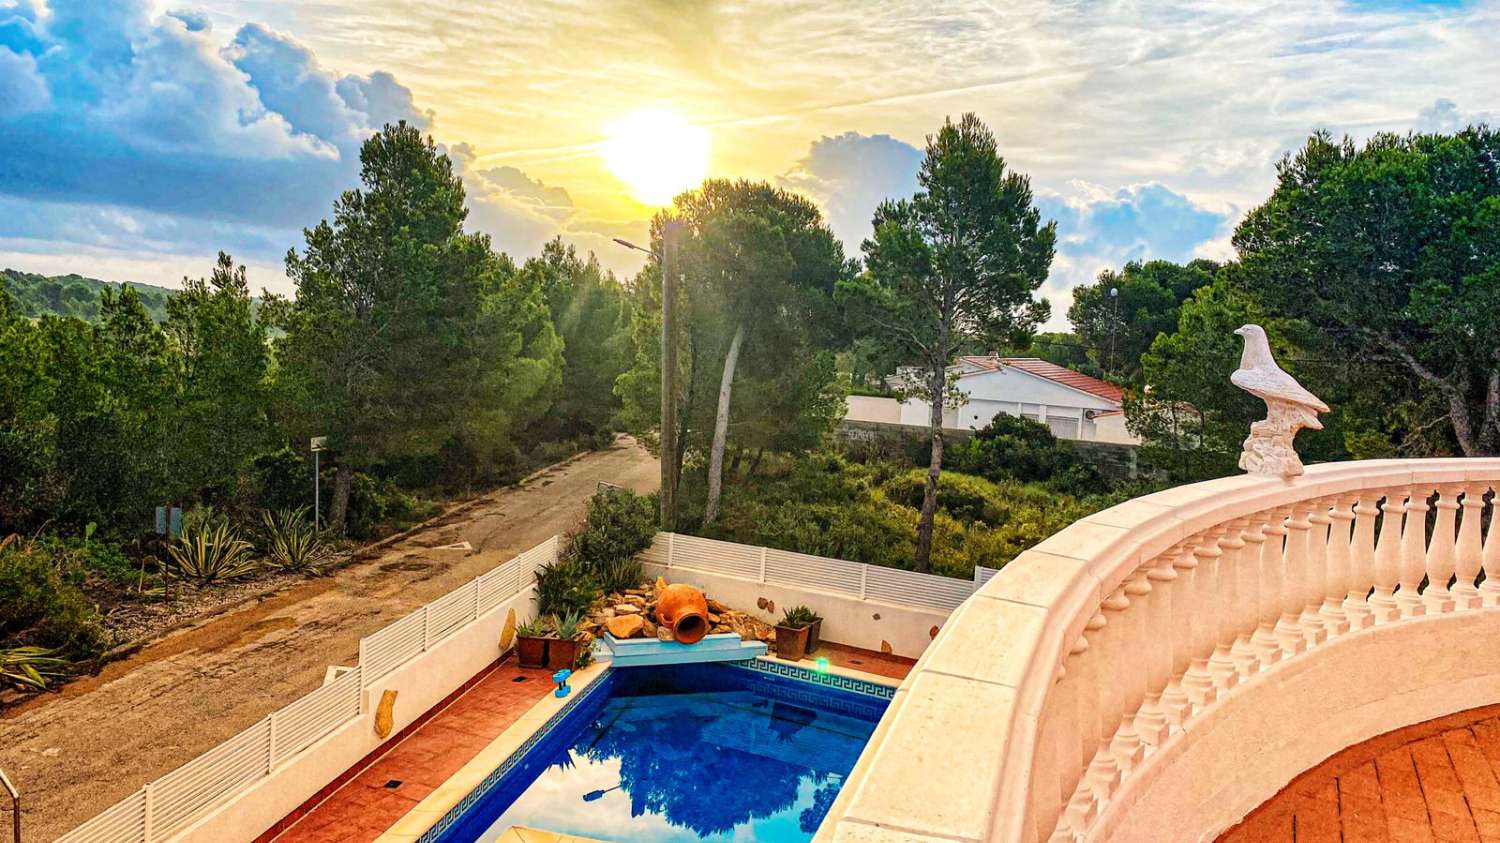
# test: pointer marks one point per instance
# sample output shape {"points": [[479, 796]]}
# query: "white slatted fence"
{"points": [[177, 800]]}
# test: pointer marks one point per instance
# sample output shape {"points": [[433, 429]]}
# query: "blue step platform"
{"points": [[642, 652]]}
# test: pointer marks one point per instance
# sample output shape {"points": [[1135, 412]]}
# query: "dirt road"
{"points": [[76, 753]]}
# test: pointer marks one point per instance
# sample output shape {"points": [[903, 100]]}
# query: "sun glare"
{"points": [[657, 154]]}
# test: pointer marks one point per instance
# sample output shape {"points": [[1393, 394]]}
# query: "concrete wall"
{"points": [[868, 408], [846, 620], [421, 683]]}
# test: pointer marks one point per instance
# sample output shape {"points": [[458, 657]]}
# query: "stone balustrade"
{"points": [[1156, 670]]}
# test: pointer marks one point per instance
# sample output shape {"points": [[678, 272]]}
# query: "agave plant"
{"points": [[293, 544], [211, 553], [29, 668]]}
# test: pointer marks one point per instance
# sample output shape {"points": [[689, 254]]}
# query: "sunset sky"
{"points": [[139, 138]]}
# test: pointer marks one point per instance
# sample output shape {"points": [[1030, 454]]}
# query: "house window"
{"points": [[1063, 427]]}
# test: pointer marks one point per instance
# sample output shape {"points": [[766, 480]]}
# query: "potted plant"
{"points": [[562, 649], [531, 642], [791, 633], [814, 629]]}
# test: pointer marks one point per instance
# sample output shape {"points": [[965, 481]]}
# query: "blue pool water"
{"points": [[684, 753]]}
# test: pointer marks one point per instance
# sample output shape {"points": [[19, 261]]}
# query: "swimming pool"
{"points": [[704, 752]]}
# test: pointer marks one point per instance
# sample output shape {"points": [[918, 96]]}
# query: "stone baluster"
{"points": [[1048, 793], [1225, 561], [1075, 747], [1413, 554], [1295, 598], [1388, 559], [1489, 592], [1151, 723], [1103, 773], [1247, 659], [1362, 562], [1174, 699], [1129, 659], [1198, 682], [1340, 518], [1442, 553], [1467, 553], [1268, 644], [1317, 584]]}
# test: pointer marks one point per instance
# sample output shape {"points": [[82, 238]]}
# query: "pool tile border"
{"points": [[833, 677]]}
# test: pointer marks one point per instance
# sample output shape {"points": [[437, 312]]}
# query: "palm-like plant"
{"points": [[293, 544], [211, 553], [29, 668]]}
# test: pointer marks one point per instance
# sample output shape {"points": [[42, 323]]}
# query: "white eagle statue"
{"points": [[1289, 408]]}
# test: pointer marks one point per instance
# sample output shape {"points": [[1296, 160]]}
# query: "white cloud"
{"points": [[850, 174]]}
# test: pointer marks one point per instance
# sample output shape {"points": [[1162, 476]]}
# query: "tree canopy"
{"points": [[409, 335], [957, 264], [1392, 250]]}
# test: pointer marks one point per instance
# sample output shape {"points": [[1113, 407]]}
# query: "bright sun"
{"points": [[657, 154]]}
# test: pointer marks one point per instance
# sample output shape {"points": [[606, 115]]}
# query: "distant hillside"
{"points": [[35, 295]]}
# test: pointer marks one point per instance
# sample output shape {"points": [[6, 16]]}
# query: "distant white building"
{"points": [[1073, 405]]}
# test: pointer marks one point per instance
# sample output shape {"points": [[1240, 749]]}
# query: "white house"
{"points": [[1074, 405]]}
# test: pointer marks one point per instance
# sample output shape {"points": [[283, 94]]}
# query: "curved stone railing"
{"points": [[1156, 670]]}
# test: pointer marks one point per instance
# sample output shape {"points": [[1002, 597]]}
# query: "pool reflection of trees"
{"points": [[663, 759]]}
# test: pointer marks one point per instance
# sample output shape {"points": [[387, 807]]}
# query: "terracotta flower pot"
{"points": [[532, 652], [791, 643], [682, 609], [562, 653], [814, 635]]}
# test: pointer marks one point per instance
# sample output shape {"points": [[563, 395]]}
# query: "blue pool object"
{"points": [[561, 678], [646, 652], [683, 753]]}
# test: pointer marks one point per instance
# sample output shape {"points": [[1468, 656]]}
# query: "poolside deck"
{"points": [[371, 800], [365, 804]]}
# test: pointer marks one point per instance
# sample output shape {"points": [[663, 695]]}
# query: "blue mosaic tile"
{"points": [[832, 680]]}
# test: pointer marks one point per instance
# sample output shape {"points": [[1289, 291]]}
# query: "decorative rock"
{"points": [[625, 626], [663, 634], [648, 629], [609, 612], [627, 609], [718, 608]]}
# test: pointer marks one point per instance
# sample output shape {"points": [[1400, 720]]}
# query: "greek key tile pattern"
{"points": [[791, 671]]}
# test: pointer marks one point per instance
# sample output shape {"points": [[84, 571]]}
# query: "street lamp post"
{"points": [[668, 370]]}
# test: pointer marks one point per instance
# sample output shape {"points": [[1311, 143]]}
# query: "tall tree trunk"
{"points": [[936, 386], [721, 428], [343, 480]]}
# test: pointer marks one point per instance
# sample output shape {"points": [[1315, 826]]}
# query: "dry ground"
{"points": [[77, 752]]}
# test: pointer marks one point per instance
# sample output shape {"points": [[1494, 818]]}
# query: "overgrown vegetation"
{"points": [[432, 364], [828, 505], [620, 524], [565, 587]]}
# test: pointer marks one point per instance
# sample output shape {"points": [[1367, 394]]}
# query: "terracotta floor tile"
{"points": [[1435, 782], [363, 808]]}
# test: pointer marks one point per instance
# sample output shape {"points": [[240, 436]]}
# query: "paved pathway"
{"points": [[1435, 782], [77, 752]]}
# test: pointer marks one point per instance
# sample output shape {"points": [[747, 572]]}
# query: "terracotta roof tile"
{"points": [[1052, 372]]}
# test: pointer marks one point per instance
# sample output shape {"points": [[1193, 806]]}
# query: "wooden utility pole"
{"points": [[668, 376]]}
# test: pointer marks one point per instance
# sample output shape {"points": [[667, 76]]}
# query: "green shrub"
{"points": [[291, 543], [283, 480], [210, 553], [565, 586], [41, 607], [619, 526], [1016, 448], [82, 557]]}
